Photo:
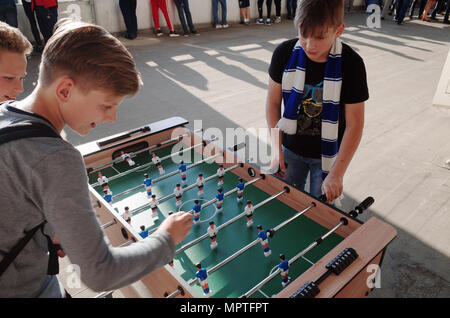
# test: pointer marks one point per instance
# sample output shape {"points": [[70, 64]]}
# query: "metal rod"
{"points": [[248, 246], [167, 197], [291, 261], [149, 164], [202, 237], [142, 150], [170, 174], [106, 225]]}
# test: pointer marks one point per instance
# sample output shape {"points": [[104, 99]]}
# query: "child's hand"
{"points": [[332, 187], [177, 225], [277, 166]]}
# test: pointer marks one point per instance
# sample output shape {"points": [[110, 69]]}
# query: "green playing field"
{"points": [[245, 271]]}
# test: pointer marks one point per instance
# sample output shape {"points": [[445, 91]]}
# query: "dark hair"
{"points": [[318, 15]]}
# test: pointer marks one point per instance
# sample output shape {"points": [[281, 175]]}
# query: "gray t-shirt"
{"points": [[44, 178]]}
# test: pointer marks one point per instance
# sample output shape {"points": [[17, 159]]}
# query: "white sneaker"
{"points": [[218, 26], [225, 26], [277, 19]]}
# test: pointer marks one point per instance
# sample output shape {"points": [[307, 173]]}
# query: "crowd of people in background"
{"points": [[43, 14]]}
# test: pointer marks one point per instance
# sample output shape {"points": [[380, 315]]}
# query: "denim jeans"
{"points": [[291, 7], [215, 7], [183, 8], [128, 8], [8, 14], [402, 8], [297, 170]]}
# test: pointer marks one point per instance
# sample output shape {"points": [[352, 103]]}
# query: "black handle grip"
{"points": [[365, 204]]}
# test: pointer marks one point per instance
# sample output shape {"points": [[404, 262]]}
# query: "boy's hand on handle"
{"points": [[332, 187], [277, 166], [177, 225]]}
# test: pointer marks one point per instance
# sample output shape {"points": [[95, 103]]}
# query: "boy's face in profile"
{"points": [[318, 44], [13, 68], [83, 111]]}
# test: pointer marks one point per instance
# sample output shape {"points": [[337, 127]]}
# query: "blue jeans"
{"points": [[183, 8], [291, 7], [215, 7], [402, 8], [297, 170], [8, 14]]}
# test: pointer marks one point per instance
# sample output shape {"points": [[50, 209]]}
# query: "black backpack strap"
{"points": [[9, 258], [26, 129]]}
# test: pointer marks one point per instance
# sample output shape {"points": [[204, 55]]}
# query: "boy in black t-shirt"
{"points": [[305, 64]]}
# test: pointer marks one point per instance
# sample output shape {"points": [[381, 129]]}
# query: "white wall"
{"points": [[107, 13]]}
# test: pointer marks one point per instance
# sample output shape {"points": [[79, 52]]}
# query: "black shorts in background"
{"points": [[244, 3]]}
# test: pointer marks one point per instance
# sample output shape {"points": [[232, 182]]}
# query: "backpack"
{"points": [[29, 129]]}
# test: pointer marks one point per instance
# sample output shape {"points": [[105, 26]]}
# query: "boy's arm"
{"points": [[332, 186], [67, 208], [273, 115]]}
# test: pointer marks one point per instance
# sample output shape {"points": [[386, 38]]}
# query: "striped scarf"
{"points": [[293, 83]]}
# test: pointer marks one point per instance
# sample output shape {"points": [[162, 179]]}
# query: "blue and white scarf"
{"points": [[293, 83]]}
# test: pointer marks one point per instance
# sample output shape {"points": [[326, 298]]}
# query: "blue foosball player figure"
{"points": [[262, 235], [219, 202], [284, 267], [148, 185], [107, 196], [196, 208], [240, 192], [182, 168], [202, 276]]}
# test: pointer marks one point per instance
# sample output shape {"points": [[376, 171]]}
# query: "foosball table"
{"points": [[289, 244]]}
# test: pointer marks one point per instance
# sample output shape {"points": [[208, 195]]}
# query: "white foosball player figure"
{"points": [[126, 157], [157, 162], [249, 212], [178, 191], [220, 174], [154, 206], [127, 215], [101, 178], [212, 232], [200, 183]]}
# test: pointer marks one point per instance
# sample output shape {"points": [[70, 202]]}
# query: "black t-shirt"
{"points": [[307, 141]]}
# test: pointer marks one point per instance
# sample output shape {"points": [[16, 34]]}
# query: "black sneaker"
{"points": [[173, 34], [195, 33], [159, 33]]}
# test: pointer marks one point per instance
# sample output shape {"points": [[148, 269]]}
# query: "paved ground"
{"points": [[220, 77]]}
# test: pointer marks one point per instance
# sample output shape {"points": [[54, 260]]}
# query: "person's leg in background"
{"points": [[128, 9], [277, 11], [34, 28], [269, 11], [215, 7], [8, 14], [223, 6]]}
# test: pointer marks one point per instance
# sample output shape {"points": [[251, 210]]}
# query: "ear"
{"points": [[64, 89], [340, 29]]}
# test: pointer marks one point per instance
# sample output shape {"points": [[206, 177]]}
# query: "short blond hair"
{"points": [[12, 40], [91, 57]]}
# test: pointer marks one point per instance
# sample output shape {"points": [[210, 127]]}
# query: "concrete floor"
{"points": [[220, 78]]}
